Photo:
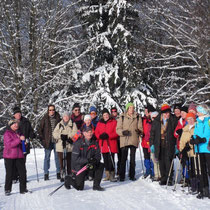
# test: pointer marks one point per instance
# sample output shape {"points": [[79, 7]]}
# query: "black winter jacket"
{"points": [[82, 152], [170, 140]]}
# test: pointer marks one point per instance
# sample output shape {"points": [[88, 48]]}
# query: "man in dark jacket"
{"points": [[47, 125], [85, 152], [163, 142]]}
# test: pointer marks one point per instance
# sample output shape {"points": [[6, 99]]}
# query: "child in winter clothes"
{"points": [[201, 140]]}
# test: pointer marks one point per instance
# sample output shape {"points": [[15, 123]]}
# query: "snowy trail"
{"points": [[141, 194]]}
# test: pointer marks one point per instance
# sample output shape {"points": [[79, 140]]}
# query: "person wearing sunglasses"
{"points": [[76, 116], [94, 116], [47, 125]]}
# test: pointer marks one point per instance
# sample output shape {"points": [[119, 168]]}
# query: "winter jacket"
{"points": [[186, 136], [180, 125], [147, 124], [95, 121], [108, 127], [78, 120], [26, 130], [131, 123], [170, 140], [82, 152], [202, 129], [45, 130], [12, 145], [70, 130]]}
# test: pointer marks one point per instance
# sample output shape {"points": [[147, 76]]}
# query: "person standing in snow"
{"points": [[63, 133], [107, 137], [201, 140], [147, 123], [47, 125], [86, 152], [14, 157], [94, 117], [129, 128], [76, 116], [163, 142]]}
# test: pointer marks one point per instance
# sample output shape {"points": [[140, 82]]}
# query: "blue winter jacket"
{"points": [[202, 129]]}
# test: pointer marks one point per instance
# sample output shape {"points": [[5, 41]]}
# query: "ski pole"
{"points": [[142, 165], [37, 175], [78, 172], [169, 174]]}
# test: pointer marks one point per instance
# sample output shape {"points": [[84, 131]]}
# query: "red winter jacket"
{"points": [[147, 124], [108, 127], [180, 125]]}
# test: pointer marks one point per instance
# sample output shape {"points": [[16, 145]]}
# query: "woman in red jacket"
{"points": [[106, 135]]}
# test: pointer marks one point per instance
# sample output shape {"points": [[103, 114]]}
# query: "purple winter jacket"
{"points": [[12, 145]]}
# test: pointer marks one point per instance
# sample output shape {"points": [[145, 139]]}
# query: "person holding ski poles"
{"points": [[85, 154], [129, 127], [201, 140], [14, 157], [107, 137], [63, 133]]}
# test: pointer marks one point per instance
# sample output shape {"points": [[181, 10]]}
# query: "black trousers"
{"points": [[79, 182], [124, 155], [68, 161], [165, 163], [10, 165], [108, 164], [146, 153], [118, 157]]}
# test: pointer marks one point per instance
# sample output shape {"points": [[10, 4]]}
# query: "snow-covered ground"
{"points": [[141, 194]]}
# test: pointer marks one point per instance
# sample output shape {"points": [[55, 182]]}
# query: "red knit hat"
{"points": [[165, 108], [192, 106], [190, 114]]}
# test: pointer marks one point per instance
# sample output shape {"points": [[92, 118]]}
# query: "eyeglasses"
{"points": [[77, 110], [51, 110]]}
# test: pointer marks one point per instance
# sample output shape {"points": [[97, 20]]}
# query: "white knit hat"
{"points": [[87, 117]]}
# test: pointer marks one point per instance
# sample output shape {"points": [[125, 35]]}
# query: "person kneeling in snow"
{"points": [[85, 152]]}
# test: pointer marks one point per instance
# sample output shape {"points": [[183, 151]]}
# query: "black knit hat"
{"points": [[150, 108], [177, 106], [184, 109], [114, 108], [76, 105], [16, 110], [105, 110]]}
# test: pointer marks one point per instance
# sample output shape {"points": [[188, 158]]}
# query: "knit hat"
{"points": [[93, 109], [13, 121], [16, 110], [184, 109], [86, 129], [202, 109], [87, 117], [165, 108], [190, 114], [150, 108], [65, 113], [105, 110], [192, 106], [154, 114], [128, 105], [177, 106], [76, 105], [114, 109]]}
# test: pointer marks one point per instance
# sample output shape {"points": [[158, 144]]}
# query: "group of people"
{"points": [[79, 141]]}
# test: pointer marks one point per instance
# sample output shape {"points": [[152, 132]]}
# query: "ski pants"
{"points": [[108, 161]]}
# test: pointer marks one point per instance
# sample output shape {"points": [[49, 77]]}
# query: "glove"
{"points": [[197, 140], [200, 140], [70, 141], [179, 132], [91, 163], [187, 148], [176, 150], [104, 136], [126, 133], [152, 149], [64, 137], [139, 133]]}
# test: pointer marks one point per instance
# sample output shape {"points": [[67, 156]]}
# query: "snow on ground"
{"points": [[141, 194]]}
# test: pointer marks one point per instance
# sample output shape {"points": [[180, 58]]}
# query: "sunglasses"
{"points": [[92, 113], [77, 110], [51, 110], [113, 111]]}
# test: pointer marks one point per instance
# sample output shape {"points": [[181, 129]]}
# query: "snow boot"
{"points": [[107, 177], [46, 177], [62, 176], [7, 192], [98, 188], [68, 182], [58, 176], [112, 177]]}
